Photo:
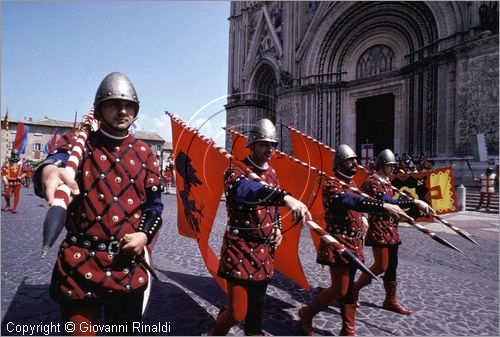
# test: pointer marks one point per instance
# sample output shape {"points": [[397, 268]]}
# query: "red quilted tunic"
{"points": [[13, 172], [383, 229], [345, 225], [113, 180], [246, 257]]}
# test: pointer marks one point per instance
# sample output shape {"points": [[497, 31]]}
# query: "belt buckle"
{"points": [[113, 248]]}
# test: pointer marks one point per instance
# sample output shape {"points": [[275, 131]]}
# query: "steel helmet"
{"points": [[385, 157], [116, 86], [342, 153], [263, 131]]}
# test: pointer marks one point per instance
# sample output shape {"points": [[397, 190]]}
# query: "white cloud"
{"points": [[159, 124]]}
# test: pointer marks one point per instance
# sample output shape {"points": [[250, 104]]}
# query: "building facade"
{"points": [[412, 76], [41, 132]]}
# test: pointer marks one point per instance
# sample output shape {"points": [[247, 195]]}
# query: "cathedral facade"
{"points": [[416, 77]]}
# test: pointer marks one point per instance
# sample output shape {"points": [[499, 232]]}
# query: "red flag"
{"points": [[318, 154], [199, 167], [6, 121], [312, 151], [53, 142], [239, 149], [19, 137]]}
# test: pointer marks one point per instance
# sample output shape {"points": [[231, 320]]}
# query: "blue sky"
{"points": [[55, 54]]}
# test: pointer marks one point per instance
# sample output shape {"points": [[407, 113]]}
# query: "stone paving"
{"points": [[450, 293]]}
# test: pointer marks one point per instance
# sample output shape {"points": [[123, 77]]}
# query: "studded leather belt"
{"points": [[111, 246], [350, 233], [93, 243]]}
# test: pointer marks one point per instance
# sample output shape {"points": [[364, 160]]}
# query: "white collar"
{"points": [[344, 175], [114, 137], [263, 167], [377, 176]]}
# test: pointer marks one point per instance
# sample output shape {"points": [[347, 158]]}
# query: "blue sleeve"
{"points": [[357, 203], [249, 193], [403, 203], [153, 201], [62, 156], [51, 159]]}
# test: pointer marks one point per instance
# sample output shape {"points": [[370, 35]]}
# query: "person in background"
{"points": [[12, 179], [488, 181]]}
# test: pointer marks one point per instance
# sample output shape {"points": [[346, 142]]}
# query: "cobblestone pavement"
{"points": [[450, 293]]}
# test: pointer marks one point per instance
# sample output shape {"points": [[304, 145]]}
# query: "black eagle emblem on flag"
{"points": [[188, 173]]}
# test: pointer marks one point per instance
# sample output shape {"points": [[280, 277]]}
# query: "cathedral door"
{"points": [[375, 122]]}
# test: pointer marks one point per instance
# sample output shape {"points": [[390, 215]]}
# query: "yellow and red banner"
{"points": [[436, 187]]}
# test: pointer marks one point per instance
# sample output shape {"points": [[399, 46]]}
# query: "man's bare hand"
{"points": [[298, 209], [53, 177], [277, 237], [134, 243], [396, 212], [424, 207]]}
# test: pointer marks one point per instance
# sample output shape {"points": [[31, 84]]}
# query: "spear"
{"points": [[459, 231], [325, 236], [421, 228], [434, 236], [56, 215], [356, 190]]}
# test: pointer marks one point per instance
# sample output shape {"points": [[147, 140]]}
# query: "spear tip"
{"points": [[446, 243]]}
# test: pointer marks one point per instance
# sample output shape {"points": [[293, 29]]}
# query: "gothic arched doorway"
{"points": [[375, 122], [265, 88]]}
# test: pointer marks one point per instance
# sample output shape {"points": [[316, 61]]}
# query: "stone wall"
{"points": [[477, 94]]}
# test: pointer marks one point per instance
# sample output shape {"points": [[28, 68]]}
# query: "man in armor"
{"points": [[488, 181], [12, 179], [383, 233], [346, 223], [115, 214], [253, 232]]}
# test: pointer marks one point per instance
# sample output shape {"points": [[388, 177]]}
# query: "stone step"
{"points": [[473, 197]]}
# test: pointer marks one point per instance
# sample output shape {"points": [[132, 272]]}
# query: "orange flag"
{"points": [[199, 167], [312, 151], [318, 154]]}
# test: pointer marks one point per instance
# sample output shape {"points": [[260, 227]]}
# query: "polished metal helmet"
{"points": [[263, 131], [342, 153], [385, 157], [116, 86]]}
